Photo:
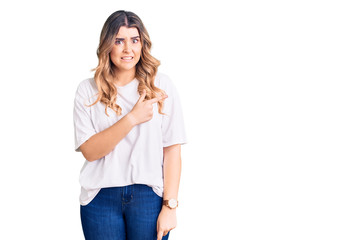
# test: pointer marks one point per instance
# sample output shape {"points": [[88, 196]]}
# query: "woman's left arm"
{"points": [[172, 173]]}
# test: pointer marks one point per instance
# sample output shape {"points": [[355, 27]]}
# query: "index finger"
{"points": [[153, 100], [159, 235]]}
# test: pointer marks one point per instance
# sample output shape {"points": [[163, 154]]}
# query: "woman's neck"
{"points": [[124, 77]]}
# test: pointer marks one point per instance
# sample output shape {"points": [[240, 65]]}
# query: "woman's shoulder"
{"points": [[86, 89], [88, 82], [87, 85], [163, 80]]}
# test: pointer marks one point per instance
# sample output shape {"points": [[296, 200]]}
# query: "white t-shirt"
{"points": [[137, 158]]}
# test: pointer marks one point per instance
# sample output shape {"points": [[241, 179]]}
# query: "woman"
{"points": [[129, 127]]}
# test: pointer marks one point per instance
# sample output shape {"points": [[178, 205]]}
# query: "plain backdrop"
{"points": [[270, 98]]}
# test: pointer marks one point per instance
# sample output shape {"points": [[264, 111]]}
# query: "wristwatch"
{"points": [[171, 203]]}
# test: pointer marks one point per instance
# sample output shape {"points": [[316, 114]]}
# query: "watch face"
{"points": [[172, 203]]}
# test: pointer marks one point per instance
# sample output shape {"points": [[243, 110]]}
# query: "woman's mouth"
{"points": [[127, 59]]}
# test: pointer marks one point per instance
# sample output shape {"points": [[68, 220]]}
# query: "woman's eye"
{"points": [[117, 42]]}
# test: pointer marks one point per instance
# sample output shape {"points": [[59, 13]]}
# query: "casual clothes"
{"points": [[120, 213], [138, 157]]}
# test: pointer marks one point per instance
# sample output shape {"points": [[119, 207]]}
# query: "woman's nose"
{"points": [[126, 47]]}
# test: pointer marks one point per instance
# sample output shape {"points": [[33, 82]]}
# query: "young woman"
{"points": [[129, 127]]}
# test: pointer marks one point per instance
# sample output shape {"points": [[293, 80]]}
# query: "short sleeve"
{"points": [[83, 126], [173, 126]]}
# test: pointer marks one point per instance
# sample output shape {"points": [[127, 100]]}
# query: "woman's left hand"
{"points": [[166, 221]]}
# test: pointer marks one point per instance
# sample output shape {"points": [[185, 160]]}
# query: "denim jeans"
{"points": [[122, 213]]}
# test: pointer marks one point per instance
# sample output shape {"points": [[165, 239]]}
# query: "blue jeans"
{"points": [[122, 213]]}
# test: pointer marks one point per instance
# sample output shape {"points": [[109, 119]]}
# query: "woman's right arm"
{"points": [[104, 142]]}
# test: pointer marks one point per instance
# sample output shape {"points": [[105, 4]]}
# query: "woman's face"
{"points": [[126, 51]]}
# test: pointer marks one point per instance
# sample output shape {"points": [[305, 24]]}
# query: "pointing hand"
{"points": [[143, 109]]}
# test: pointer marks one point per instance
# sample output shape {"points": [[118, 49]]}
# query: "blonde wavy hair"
{"points": [[146, 68]]}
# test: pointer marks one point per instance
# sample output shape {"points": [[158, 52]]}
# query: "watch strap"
{"points": [[166, 203]]}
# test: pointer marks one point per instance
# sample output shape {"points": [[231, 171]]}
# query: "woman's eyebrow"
{"points": [[121, 39]]}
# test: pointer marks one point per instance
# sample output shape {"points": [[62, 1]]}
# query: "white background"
{"points": [[270, 97]]}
